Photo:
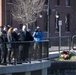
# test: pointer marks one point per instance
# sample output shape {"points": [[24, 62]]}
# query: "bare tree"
{"points": [[26, 11]]}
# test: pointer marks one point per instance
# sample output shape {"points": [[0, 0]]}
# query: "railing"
{"points": [[21, 49], [54, 44], [35, 50], [73, 42]]}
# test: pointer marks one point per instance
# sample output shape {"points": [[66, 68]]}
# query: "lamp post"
{"points": [[60, 24], [48, 16], [57, 16]]}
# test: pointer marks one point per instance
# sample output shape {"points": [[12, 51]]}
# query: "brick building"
{"points": [[53, 11]]}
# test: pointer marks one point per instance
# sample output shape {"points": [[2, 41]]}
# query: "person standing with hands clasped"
{"points": [[38, 35]]}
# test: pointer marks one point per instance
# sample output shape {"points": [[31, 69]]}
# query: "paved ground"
{"points": [[54, 50]]}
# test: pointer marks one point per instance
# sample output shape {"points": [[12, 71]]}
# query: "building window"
{"points": [[46, 1], [67, 2], [9, 1], [67, 22], [9, 17], [45, 22], [57, 22], [58, 2]]}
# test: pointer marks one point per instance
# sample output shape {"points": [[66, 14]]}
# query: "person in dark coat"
{"points": [[1, 47], [24, 47], [4, 51], [15, 38]]}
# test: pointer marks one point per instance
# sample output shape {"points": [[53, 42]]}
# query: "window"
{"points": [[58, 3], [67, 2], [46, 1], [67, 22], [9, 1], [57, 22], [45, 22], [9, 17]]}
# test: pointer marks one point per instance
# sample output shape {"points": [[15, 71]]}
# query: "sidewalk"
{"points": [[53, 54], [54, 51]]}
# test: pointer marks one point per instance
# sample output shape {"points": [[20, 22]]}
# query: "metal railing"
{"points": [[73, 42], [54, 44], [21, 49], [36, 50]]}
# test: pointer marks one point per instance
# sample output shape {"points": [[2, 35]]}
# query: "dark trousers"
{"points": [[23, 52], [3, 53]]}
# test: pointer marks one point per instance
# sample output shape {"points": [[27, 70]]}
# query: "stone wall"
{"points": [[62, 68]]}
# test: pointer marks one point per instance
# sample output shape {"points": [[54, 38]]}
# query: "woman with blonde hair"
{"points": [[9, 45]]}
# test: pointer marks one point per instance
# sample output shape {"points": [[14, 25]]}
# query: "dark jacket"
{"points": [[4, 35], [1, 44], [15, 37], [27, 37]]}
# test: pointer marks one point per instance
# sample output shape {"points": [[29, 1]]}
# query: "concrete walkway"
{"points": [[55, 53]]}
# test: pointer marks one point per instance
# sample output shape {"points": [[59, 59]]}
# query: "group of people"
{"points": [[9, 46], [7, 35]]}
